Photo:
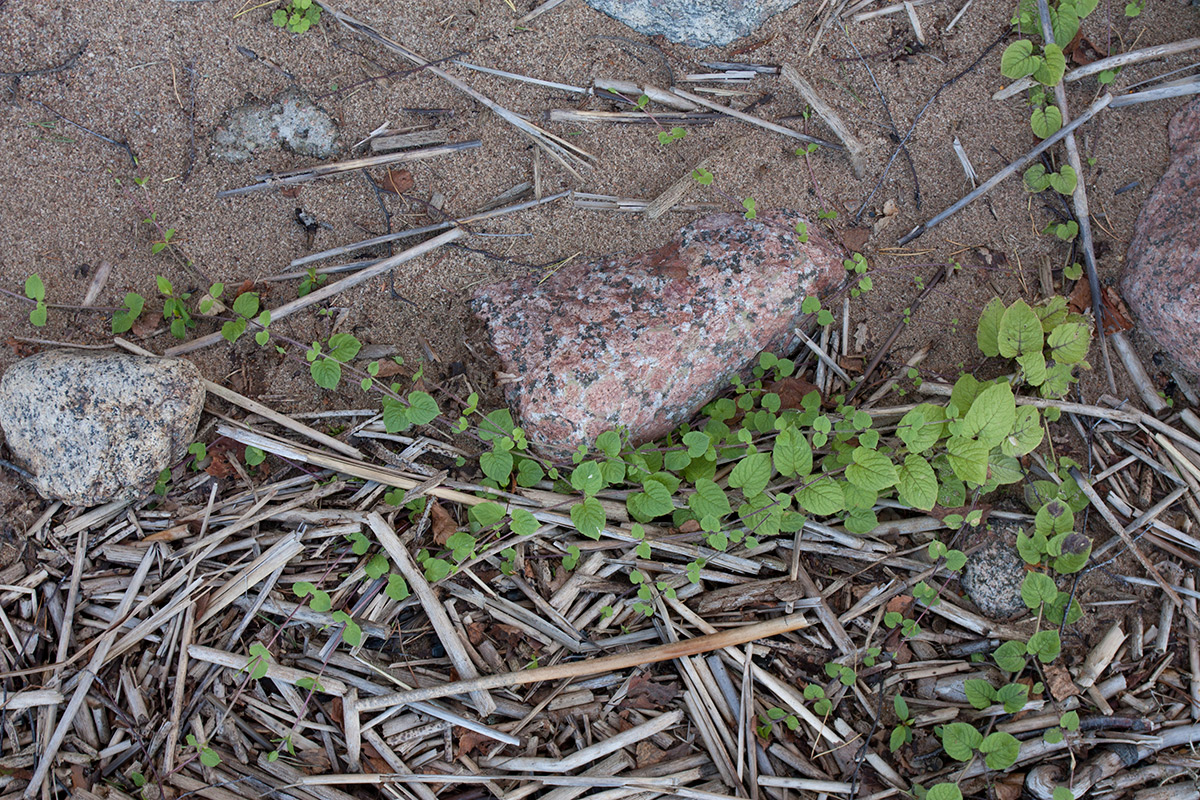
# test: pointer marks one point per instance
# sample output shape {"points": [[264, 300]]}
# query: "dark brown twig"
{"points": [[64, 66]]}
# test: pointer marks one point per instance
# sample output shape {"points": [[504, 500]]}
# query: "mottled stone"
{"points": [[643, 341], [1161, 281], [289, 120], [992, 579], [93, 427], [698, 23]]}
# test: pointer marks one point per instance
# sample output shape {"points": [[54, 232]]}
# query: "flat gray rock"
{"points": [[92, 427], [288, 120], [698, 23]]}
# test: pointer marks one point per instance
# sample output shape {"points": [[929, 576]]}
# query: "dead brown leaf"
{"points": [[1009, 787], [648, 755], [397, 181], [388, 368], [291, 191], [443, 523], [1116, 314], [468, 742], [791, 391], [649, 694], [1059, 682]]}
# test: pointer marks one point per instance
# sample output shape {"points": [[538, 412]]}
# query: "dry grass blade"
{"points": [[572, 158]]}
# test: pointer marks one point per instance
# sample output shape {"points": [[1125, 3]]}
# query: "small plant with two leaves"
{"points": [[1046, 63], [35, 290], [245, 310], [297, 16]]}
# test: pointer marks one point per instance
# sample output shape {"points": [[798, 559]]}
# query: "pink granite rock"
{"points": [[1161, 281], [643, 341]]}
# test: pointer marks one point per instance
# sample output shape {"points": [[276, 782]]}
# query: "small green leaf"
{"points": [[485, 515], [917, 485], [871, 470], [1000, 750], [1045, 645], [989, 322], [1018, 60], [968, 458], [1065, 180], [342, 346], [1038, 588], [1013, 696], [980, 693], [821, 498], [1026, 434], [653, 501], [922, 427], [397, 587], [1010, 656], [377, 567], [960, 740], [991, 416], [422, 408], [752, 474], [588, 517], [709, 499], [792, 454], [1020, 331], [1068, 343], [523, 523], [1045, 121], [326, 372], [1053, 65], [1037, 180], [246, 305], [944, 791], [588, 478]]}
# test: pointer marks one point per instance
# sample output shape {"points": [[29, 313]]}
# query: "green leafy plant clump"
{"points": [[297, 16], [1045, 63]]}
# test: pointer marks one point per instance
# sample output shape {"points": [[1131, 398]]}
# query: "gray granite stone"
{"points": [[992, 579], [698, 23], [93, 427], [288, 120]]}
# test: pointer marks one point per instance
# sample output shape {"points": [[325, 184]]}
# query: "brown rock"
{"points": [[1161, 281], [643, 341]]}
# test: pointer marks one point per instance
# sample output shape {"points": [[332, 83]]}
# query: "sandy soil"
{"points": [[145, 64]]}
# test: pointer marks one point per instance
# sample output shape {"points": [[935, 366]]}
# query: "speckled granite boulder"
{"points": [[289, 120], [1161, 281], [699, 23], [992, 579], [93, 427], [645, 340]]}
